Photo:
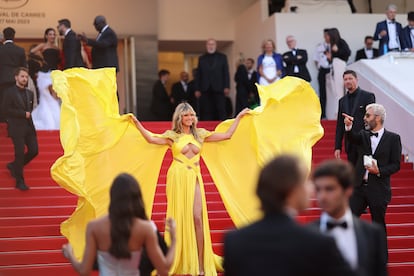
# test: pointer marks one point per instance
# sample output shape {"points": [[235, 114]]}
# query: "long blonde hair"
{"points": [[177, 126]]}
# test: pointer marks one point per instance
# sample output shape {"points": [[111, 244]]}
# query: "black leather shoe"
{"points": [[22, 186], [11, 169]]}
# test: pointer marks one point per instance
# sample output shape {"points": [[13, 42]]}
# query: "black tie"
{"points": [[373, 134], [331, 225]]}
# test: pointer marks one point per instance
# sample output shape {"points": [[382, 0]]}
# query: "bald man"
{"points": [[104, 47]]}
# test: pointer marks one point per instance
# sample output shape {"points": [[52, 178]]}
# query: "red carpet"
{"points": [[30, 240]]}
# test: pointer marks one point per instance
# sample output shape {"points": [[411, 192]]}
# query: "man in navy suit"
{"points": [[361, 243], [379, 156], [71, 45], [352, 103], [276, 244], [104, 47], [407, 34], [388, 31]]}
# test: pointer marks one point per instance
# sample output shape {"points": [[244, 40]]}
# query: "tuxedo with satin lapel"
{"points": [[376, 192], [361, 100], [370, 247], [277, 245]]}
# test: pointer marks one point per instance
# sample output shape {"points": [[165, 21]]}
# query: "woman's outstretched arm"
{"points": [[148, 137], [215, 137]]}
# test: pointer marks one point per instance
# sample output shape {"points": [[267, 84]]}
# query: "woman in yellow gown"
{"points": [[186, 201], [99, 144]]}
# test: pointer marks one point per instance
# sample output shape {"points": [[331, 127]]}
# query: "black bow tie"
{"points": [[373, 134], [331, 225], [391, 22]]}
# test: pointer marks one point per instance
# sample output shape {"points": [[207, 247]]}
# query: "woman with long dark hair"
{"points": [[338, 56], [117, 240]]}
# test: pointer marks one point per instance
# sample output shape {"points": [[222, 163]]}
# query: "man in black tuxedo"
{"points": [[276, 244], [11, 58], [246, 91], [368, 52], [212, 83], [388, 31], [295, 60], [161, 104], [180, 92], [71, 45], [352, 103], [407, 34], [104, 47], [361, 244], [379, 156], [18, 106], [194, 99]]}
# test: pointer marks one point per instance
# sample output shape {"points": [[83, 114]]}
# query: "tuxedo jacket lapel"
{"points": [[381, 142], [356, 103], [361, 241]]}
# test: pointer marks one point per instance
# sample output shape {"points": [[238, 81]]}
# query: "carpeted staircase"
{"points": [[30, 241]]}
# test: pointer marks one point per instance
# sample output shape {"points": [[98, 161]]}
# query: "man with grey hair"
{"points": [[388, 32], [379, 155], [295, 60], [212, 83]]}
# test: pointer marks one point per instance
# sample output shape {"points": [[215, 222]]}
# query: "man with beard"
{"points": [[18, 106], [379, 155], [71, 45], [212, 83], [353, 104]]}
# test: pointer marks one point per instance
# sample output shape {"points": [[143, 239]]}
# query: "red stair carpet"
{"points": [[30, 241]]}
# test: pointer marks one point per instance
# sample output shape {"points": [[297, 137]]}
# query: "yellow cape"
{"points": [[99, 144]]}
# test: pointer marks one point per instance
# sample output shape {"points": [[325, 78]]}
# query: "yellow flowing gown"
{"points": [[99, 143]]}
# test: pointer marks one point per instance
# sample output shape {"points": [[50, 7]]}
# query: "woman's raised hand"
{"points": [[243, 112]]}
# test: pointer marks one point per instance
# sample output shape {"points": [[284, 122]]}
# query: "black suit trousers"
{"points": [[370, 195], [322, 89], [21, 158], [212, 106]]}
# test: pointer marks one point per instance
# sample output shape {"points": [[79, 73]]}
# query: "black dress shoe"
{"points": [[11, 169], [22, 186]]}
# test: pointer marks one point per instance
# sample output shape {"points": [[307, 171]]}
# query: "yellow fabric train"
{"points": [[99, 143]]}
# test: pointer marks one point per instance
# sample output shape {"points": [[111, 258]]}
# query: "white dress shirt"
{"points": [[345, 238], [392, 35], [369, 53], [184, 85]]}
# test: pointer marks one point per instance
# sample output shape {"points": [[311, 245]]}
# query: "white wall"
{"points": [[251, 30]]}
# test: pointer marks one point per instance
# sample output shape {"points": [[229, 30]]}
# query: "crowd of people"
{"points": [[344, 189], [38, 106], [331, 57]]}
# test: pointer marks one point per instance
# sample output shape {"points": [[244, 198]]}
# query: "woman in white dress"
{"points": [[269, 64], [117, 239], [46, 116]]}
